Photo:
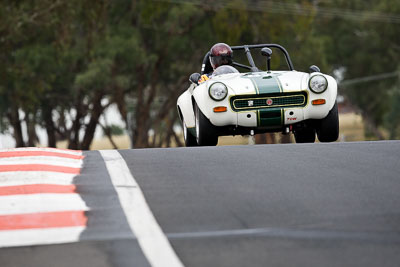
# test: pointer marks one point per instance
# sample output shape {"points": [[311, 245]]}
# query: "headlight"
{"points": [[318, 84], [218, 91]]}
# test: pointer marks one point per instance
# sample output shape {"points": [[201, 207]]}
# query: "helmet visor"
{"points": [[220, 60]]}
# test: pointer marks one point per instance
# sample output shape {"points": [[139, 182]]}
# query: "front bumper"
{"points": [[268, 112]]}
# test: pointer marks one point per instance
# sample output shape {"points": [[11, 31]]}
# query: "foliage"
{"points": [[64, 62], [363, 47], [114, 130]]}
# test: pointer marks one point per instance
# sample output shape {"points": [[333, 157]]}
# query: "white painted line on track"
{"points": [[36, 203], [151, 238], [48, 149], [21, 178], [44, 160], [76, 163], [44, 236]]}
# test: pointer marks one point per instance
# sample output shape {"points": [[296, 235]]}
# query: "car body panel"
{"points": [[258, 101], [185, 108], [258, 84]]}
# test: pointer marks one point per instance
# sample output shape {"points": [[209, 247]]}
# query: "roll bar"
{"points": [[253, 67]]}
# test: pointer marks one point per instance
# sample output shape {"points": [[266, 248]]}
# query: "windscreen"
{"points": [[224, 69], [278, 60]]}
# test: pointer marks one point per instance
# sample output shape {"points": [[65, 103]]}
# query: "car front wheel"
{"points": [[190, 140], [328, 128], [305, 135], [205, 134]]}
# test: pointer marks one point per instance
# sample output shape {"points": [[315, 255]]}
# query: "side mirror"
{"points": [[314, 68], [267, 52], [194, 78]]}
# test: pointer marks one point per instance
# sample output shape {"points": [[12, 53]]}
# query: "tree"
{"points": [[66, 62], [47, 48], [366, 43]]}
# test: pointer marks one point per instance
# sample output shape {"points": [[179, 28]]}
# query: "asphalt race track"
{"points": [[332, 204]]}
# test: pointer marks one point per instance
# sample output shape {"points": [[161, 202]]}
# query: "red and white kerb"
{"points": [[38, 200]]}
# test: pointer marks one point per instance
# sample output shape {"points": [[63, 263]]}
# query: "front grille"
{"points": [[283, 100]]}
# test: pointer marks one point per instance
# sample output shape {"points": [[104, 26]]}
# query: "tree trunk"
{"points": [[13, 116], [140, 136], [141, 131], [107, 132], [169, 130], [73, 141], [142, 121], [50, 128], [94, 120], [30, 127], [144, 104]]}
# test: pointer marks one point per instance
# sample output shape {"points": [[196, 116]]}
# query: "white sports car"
{"points": [[256, 101]]}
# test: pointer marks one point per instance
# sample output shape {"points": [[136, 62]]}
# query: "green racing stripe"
{"points": [[270, 118], [267, 83]]}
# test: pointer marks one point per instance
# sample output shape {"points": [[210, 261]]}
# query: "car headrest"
{"points": [[206, 66]]}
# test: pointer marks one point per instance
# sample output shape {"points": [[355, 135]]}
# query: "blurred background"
{"points": [[106, 73]]}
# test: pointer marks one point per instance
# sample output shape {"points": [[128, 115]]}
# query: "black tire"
{"points": [[305, 135], [328, 128], [205, 132], [190, 140]]}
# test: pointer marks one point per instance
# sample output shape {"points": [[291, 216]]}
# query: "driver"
{"points": [[220, 54]]}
